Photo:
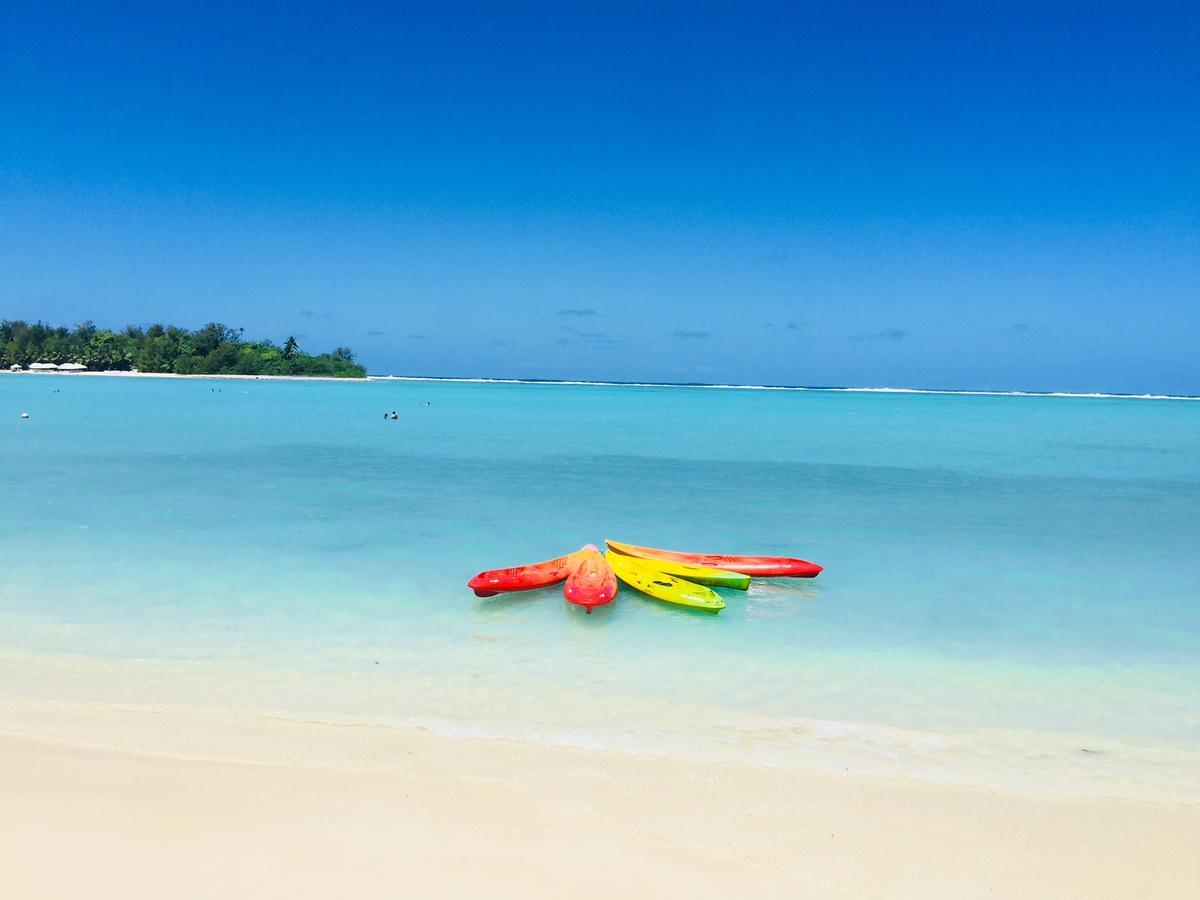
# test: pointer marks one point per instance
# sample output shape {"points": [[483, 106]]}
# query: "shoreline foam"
{"points": [[1045, 762]]}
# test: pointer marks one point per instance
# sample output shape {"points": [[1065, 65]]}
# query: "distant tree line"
{"points": [[215, 349]]}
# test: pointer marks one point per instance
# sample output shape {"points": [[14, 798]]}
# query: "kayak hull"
{"points": [[523, 578], [592, 581], [710, 577], [640, 575], [756, 566]]}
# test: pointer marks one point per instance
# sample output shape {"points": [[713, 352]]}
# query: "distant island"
{"points": [[215, 349]]}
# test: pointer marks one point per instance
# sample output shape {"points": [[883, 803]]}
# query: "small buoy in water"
{"points": [[24, 415]]}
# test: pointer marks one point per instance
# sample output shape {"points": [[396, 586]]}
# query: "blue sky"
{"points": [[969, 195]]}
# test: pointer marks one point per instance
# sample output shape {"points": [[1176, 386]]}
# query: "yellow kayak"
{"points": [[642, 575], [721, 578]]}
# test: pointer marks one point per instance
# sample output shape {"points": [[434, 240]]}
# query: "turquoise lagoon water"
{"points": [[1012, 584]]}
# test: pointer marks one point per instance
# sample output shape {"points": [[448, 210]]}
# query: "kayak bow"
{"points": [[591, 582], [523, 578]]}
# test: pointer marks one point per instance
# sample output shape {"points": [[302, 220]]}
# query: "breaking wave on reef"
{"points": [[1095, 395]]}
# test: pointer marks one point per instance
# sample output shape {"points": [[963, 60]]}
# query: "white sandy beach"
{"points": [[105, 803], [172, 375]]}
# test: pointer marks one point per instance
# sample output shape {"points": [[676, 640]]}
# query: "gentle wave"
{"points": [[1096, 395], [1060, 762]]}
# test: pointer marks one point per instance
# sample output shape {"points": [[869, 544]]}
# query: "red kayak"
{"points": [[591, 582], [757, 566], [523, 578]]}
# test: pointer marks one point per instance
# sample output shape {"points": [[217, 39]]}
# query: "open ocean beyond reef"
{"points": [[1011, 593]]}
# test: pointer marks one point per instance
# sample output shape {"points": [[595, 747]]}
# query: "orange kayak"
{"points": [[592, 581], [524, 578], [757, 566]]}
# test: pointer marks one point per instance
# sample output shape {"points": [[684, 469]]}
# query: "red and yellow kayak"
{"points": [[524, 578], [592, 581], [757, 566]]}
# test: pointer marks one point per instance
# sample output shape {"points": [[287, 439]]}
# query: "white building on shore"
{"points": [[51, 367]]}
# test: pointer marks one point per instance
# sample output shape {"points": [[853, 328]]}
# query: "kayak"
{"points": [[640, 574], [591, 582], [523, 578], [722, 578], [759, 566]]}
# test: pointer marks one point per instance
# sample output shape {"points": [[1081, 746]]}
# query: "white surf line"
{"points": [[780, 387]]}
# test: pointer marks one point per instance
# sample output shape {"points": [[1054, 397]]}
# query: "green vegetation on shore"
{"points": [[215, 349]]}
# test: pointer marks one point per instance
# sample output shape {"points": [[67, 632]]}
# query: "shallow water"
{"points": [[1010, 581]]}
